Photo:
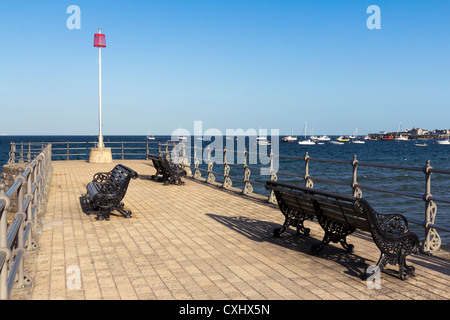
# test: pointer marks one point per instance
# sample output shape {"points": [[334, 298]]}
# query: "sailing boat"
{"points": [[306, 142], [400, 137], [356, 138], [149, 136]]}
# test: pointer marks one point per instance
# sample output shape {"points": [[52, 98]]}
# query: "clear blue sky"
{"points": [[229, 63]]}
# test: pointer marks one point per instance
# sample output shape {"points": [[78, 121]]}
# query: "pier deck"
{"points": [[199, 242]]}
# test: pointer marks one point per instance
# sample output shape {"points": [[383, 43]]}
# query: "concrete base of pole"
{"points": [[100, 155]]}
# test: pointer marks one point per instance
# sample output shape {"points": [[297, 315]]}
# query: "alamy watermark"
{"points": [[74, 20], [73, 281], [373, 280], [374, 21], [261, 146]]}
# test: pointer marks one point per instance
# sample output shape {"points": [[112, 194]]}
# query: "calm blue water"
{"points": [[403, 153]]}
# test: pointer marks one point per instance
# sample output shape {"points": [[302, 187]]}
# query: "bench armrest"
{"points": [[101, 176], [393, 224]]}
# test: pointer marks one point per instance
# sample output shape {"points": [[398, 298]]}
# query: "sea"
{"points": [[290, 166]]}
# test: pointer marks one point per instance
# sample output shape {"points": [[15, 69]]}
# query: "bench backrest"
{"points": [[338, 208], [119, 178], [157, 162], [169, 167]]}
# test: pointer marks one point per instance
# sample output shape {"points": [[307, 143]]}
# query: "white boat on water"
{"points": [[336, 142], [324, 138], [262, 141], [355, 137], [306, 142], [150, 136], [445, 142], [401, 138]]}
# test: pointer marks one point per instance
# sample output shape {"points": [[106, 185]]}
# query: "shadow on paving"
{"points": [[262, 231]]}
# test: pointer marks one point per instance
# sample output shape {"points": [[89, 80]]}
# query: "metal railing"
{"points": [[79, 150], [247, 179], [16, 236], [431, 242]]}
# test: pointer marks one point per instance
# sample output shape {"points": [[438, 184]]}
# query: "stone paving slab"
{"points": [[199, 242]]}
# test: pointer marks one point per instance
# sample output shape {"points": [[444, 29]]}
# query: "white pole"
{"points": [[100, 136]]}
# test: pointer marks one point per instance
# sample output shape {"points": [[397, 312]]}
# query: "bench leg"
{"points": [[101, 214], [346, 246], [300, 227], [126, 213], [278, 231], [293, 218], [334, 232], [315, 249], [332, 237], [404, 271]]}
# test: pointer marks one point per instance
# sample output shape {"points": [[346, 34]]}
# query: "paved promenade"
{"points": [[198, 242]]}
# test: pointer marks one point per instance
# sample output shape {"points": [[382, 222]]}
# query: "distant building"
{"points": [[441, 131], [418, 131]]}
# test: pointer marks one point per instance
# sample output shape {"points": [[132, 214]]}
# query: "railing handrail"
{"points": [[16, 238]]}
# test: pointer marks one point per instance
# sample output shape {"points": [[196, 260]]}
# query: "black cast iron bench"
{"points": [[157, 164], [341, 215], [167, 171], [107, 190]]}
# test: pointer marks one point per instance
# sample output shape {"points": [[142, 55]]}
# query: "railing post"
{"points": [[308, 182], [357, 193], [29, 152], [432, 241], [210, 178], [12, 155], [4, 243], [30, 204], [68, 150], [227, 183], [273, 177], [21, 152], [248, 188], [20, 237], [167, 151], [122, 151], [197, 172], [35, 193]]}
